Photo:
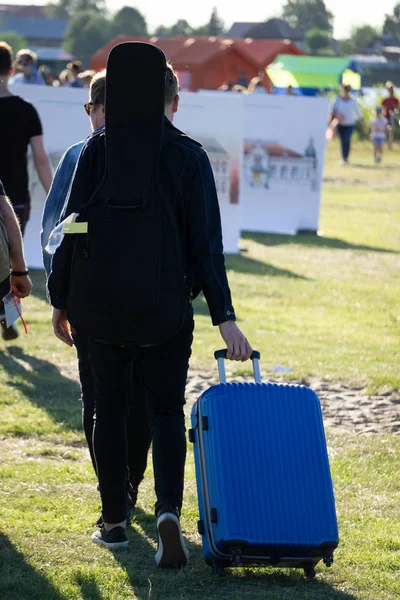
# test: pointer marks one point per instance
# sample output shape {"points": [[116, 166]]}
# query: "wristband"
{"points": [[19, 273]]}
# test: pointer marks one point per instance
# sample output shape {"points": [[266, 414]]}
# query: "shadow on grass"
{"points": [[242, 264], [315, 241], [197, 581], [42, 384], [18, 580], [89, 588]]}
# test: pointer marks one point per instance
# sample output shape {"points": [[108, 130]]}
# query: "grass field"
{"points": [[326, 307]]}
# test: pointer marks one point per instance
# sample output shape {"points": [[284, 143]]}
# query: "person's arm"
{"points": [[21, 285], [206, 258], [56, 198], [42, 162], [81, 190]]}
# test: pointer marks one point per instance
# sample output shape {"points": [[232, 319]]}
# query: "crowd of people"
{"points": [[26, 71], [345, 114]]}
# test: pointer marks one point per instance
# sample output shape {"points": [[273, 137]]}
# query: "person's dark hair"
{"points": [[98, 88], [6, 58], [171, 84], [75, 65]]}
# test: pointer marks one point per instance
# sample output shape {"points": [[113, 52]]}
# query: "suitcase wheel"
{"points": [[309, 572], [328, 559]]}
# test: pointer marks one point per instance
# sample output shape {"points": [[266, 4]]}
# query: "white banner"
{"points": [[283, 160], [267, 154], [216, 124], [216, 121]]}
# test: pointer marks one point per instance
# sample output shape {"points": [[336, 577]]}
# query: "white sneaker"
{"points": [[172, 551]]}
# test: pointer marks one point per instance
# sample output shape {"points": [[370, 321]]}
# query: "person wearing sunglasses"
{"points": [[138, 431]]}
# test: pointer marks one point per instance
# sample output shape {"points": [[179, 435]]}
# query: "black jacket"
{"points": [[187, 177]]}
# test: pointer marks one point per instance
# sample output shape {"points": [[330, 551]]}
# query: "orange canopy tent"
{"points": [[208, 62]]}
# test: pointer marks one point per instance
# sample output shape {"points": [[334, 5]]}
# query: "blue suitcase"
{"points": [[263, 479]]}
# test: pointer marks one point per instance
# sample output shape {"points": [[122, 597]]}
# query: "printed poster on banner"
{"points": [[65, 123], [216, 121], [283, 161]]}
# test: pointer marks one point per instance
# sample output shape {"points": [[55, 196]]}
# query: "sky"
{"points": [[197, 12]]}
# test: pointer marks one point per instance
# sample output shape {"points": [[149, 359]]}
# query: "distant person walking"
{"points": [[391, 111], [346, 111], [379, 127]]}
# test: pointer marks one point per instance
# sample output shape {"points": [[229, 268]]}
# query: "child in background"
{"points": [[379, 127]]}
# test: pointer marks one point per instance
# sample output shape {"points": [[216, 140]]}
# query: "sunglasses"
{"points": [[88, 107]]}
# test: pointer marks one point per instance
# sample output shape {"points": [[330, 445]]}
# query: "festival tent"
{"points": [[309, 75], [208, 62], [201, 62]]}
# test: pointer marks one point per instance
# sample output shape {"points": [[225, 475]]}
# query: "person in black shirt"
{"points": [[20, 127]]}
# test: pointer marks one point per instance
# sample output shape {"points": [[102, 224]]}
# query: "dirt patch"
{"points": [[344, 408]]}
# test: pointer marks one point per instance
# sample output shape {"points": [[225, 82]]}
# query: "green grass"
{"points": [[326, 307]]}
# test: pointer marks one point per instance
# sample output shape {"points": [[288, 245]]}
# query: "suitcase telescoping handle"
{"points": [[220, 356]]}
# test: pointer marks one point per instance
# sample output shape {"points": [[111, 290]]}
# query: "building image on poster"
{"points": [[268, 165], [215, 120], [283, 158]]}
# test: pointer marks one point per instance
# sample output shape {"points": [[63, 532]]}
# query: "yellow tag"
{"points": [[75, 228]]}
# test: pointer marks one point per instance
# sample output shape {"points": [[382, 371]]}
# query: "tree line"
{"points": [[91, 27]]}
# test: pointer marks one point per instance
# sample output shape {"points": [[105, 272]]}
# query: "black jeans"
{"points": [[137, 426], [162, 371], [345, 134]]}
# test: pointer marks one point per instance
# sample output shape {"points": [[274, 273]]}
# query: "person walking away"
{"points": [[137, 427], [186, 174], [347, 112], [20, 127], [391, 112], [379, 127], [26, 71]]}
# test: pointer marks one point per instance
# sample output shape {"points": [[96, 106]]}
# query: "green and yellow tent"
{"points": [[309, 75]]}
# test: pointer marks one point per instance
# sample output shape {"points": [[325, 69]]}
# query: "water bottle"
{"points": [[57, 235]]}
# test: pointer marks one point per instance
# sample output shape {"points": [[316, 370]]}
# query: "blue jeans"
{"points": [[345, 133]]}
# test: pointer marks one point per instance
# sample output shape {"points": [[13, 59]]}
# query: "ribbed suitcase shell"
{"points": [[263, 475]]}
